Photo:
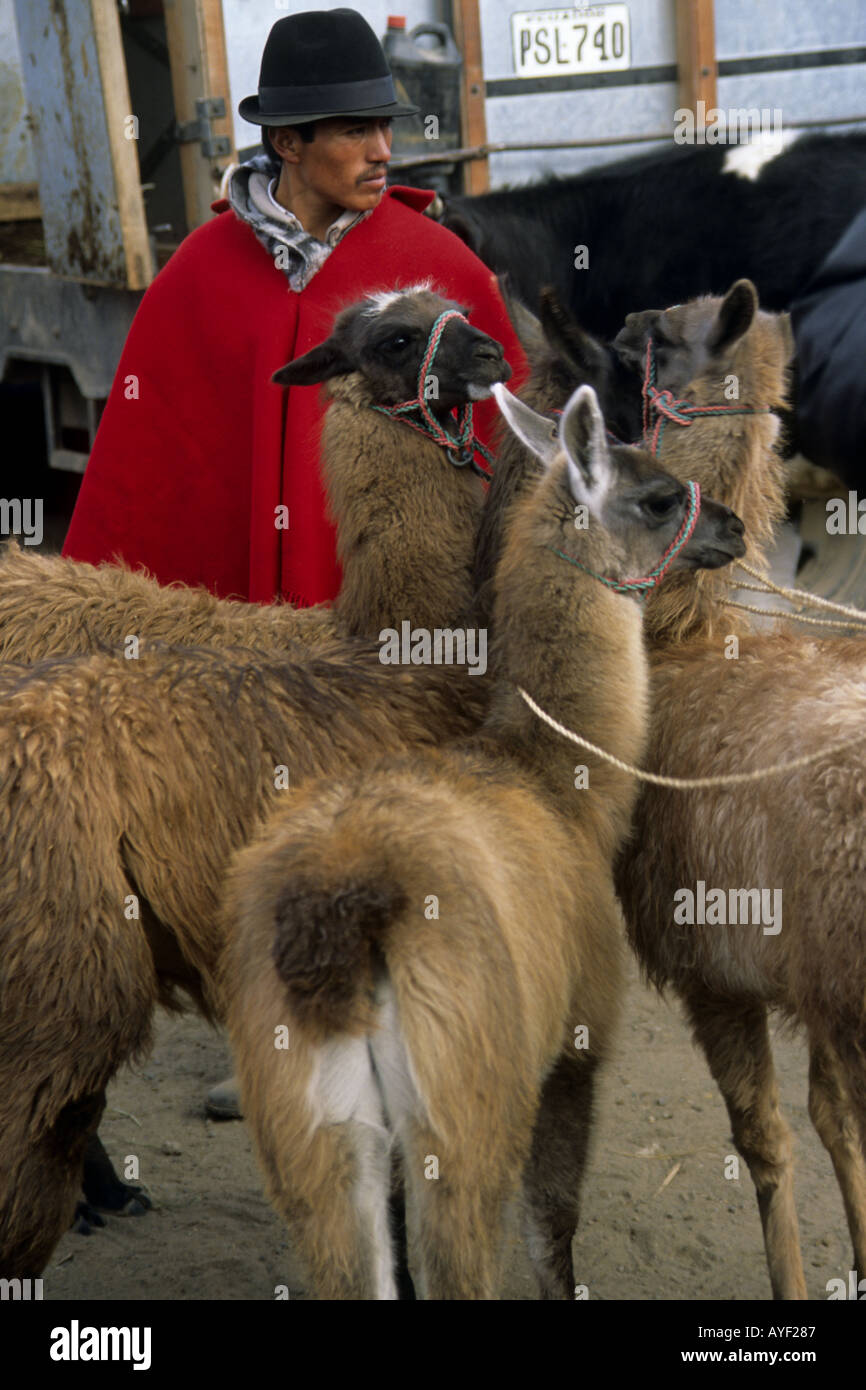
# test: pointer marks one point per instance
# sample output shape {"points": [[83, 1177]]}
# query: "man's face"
{"points": [[344, 163]]}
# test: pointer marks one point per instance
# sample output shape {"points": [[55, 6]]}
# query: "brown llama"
{"points": [[441, 936], [181, 754], [800, 834], [405, 517]]}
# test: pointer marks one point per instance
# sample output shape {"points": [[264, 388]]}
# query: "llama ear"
{"points": [[538, 433], [585, 445], [523, 321], [564, 333], [738, 309], [319, 364]]}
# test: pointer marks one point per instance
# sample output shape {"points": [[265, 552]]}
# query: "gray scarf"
{"points": [[294, 251]]}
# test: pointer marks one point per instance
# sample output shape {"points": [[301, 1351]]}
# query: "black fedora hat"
{"points": [[319, 64]]}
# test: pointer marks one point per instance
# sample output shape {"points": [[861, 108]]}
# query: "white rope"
{"points": [[810, 600], [687, 783], [789, 617]]}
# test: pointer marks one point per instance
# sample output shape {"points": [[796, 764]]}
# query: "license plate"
{"points": [[594, 38]]}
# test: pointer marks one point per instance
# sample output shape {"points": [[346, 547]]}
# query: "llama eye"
{"points": [[662, 506], [397, 343]]}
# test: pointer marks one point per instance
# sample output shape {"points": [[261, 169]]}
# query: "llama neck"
{"points": [[407, 519], [736, 461], [577, 648]]}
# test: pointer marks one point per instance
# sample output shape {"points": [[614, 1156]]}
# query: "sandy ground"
{"points": [[212, 1233]]}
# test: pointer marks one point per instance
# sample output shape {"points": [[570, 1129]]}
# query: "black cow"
{"points": [[663, 227]]}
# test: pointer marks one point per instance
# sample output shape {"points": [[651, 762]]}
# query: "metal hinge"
{"points": [[207, 109]]}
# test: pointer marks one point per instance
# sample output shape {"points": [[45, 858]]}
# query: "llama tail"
{"points": [[326, 943]]}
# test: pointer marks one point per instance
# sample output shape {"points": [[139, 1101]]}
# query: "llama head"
{"points": [[725, 355], [575, 358], [688, 338], [640, 509], [385, 338], [563, 355]]}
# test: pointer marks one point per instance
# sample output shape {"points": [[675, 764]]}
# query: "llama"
{"points": [[453, 1029], [424, 524], [406, 519], [799, 833]]}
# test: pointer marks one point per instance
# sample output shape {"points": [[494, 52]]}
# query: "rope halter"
{"points": [[460, 447], [665, 406], [640, 588]]}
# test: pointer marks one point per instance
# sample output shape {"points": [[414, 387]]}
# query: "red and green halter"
{"points": [[665, 406], [460, 447], [639, 588]]}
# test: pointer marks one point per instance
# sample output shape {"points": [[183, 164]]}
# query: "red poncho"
{"points": [[196, 448]]}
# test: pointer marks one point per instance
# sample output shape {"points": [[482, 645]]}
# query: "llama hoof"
{"points": [[223, 1101], [120, 1198], [103, 1190], [86, 1219], [136, 1205]]}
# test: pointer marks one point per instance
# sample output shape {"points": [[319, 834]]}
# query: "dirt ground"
{"points": [[661, 1220]]}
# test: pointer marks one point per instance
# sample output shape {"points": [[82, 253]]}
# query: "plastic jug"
{"points": [[428, 78]]}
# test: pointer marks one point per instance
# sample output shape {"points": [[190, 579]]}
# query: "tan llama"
{"points": [[438, 939]]}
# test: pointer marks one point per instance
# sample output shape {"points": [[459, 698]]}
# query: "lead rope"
{"points": [[460, 447], [656, 779]]}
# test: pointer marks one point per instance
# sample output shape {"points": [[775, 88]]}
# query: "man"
{"points": [[198, 455]]}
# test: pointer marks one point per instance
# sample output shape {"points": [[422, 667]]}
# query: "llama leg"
{"points": [[103, 1189], [554, 1174], [333, 1195], [831, 1114], [736, 1042], [456, 1207], [400, 1234]]}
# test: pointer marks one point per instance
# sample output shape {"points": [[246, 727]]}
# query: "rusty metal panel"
{"points": [[17, 161], [92, 209]]}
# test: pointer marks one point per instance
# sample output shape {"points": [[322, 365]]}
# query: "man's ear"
{"points": [[537, 432], [319, 364], [738, 309], [284, 140], [585, 445]]}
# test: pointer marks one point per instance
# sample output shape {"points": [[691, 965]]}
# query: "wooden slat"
{"points": [[199, 68], [19, 202], [473, 118], [696, 54], [124, 152]]}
